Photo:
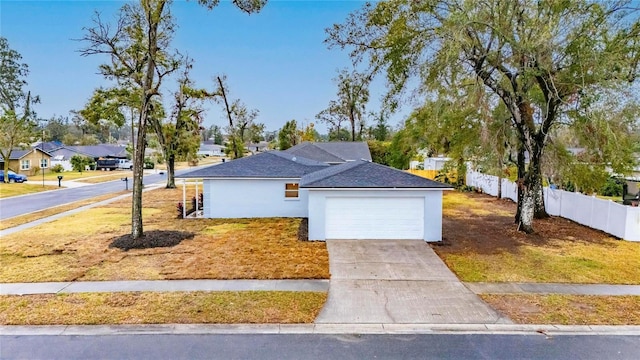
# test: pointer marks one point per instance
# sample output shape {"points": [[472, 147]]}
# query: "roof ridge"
{"points": [[334, 170], [318, 148], [293, 157]]}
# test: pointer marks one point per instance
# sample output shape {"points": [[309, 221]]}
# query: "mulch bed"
{"points": [[303, 230], [151, 239]]}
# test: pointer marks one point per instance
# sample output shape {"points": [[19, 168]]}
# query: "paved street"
{"points": [[325, 346], [14, 206]]}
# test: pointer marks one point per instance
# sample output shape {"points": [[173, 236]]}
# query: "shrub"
{"points": [[57, 168], [79, 162], [613, 187], [148, 163]]}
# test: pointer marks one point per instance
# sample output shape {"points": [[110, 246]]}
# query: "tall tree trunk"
{"points": [[228, 109], [526, 209], [5, 167], [138, 171], [535, 167], [153, 19], [540, 212], [520, 182], [171, 177], [533, 201], [352, 118]]}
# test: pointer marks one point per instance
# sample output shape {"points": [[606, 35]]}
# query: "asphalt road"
{"points": [[14, 206], [311, 346]]}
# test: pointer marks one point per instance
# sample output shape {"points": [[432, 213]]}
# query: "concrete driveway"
{"points": [[397, 281]]}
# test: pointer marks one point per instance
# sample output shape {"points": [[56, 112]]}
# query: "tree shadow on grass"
{"points": [[495, 231], [151, 239]]}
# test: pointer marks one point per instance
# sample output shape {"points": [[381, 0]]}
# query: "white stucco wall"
{"points": [[252, 198], [432, 208], [66, 164]]}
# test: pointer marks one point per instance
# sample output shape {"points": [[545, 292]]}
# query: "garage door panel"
{"points": [[374, 218]]}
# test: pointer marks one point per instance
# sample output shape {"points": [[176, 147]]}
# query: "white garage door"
{"points": [[374, 218]]}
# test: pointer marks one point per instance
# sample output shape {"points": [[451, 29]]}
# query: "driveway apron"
{"points": [[397, 281]]}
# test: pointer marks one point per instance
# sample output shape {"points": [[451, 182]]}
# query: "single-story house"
{"points": [[211, 150], [354, 199], [102, 151], [26, 161], [63, 154]]}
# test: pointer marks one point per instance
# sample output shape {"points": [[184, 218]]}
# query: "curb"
{"points": [[319, 329]]}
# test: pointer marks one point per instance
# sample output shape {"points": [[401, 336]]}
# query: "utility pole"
{"points": [[42, 156]]}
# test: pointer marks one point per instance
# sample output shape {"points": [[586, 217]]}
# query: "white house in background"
{"points": [[211, 150], [353, 199], [435, 163]]}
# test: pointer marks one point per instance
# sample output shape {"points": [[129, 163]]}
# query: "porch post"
{"points": [[184, 198], [197, 198]]}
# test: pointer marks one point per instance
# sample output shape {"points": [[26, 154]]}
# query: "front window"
{"points": [[291, 191], [44, 163], [25, 165]]}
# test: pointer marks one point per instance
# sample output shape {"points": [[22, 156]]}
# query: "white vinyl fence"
{"points": [[618, 220]]}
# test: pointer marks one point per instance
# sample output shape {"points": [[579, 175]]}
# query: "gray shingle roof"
{"points": [[49, 146], [364, 174], [67, 153], [17, 154], [101, 150], [332, 152], [271, 164]]}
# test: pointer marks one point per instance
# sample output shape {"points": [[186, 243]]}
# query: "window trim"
{"points": [[25, 162], [292, 189], [45, 162]]}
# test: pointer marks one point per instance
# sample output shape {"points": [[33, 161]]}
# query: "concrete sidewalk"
{"points": [[295, 285], [162, 286], [553, 288]]}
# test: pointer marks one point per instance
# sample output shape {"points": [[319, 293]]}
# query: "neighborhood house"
{"points": [[335, 185], [26, 162]]}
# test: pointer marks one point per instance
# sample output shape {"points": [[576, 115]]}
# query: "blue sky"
{"points": [[275, 61]]}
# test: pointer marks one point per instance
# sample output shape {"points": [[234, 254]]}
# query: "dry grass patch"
{"points": [[73, 175], [481, 243], [568, 309], [77, 247], [15, 189], [161, 308], [23, 219]]}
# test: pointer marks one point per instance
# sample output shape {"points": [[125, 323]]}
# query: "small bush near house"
{"points": [[36, 170], [57, 168], [79, 162]]}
